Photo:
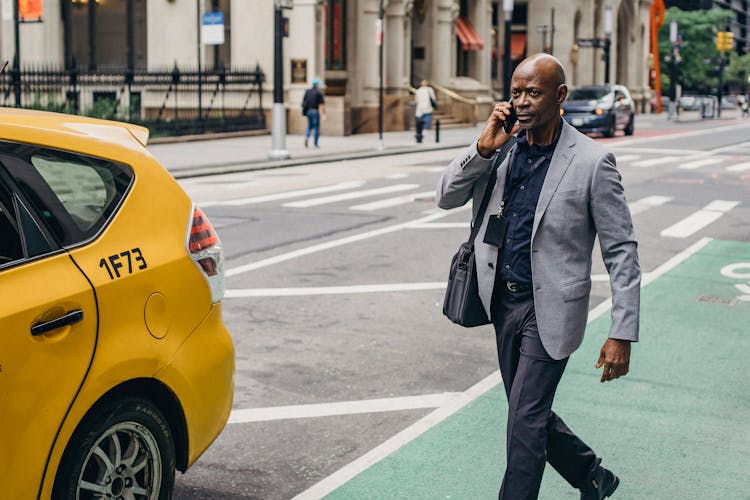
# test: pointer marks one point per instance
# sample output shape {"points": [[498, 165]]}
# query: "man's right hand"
{"points": [[493, 136]]}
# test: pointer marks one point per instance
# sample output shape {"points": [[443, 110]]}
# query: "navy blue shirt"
{"points": [[523, 184]]}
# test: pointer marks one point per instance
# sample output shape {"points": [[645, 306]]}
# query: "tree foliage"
{"points": [[698, 31]]}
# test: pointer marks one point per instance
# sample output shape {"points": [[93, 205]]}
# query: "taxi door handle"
{"points": [[47, 326]]}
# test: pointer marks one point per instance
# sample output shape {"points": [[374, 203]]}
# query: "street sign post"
{"points": [[589, 42], [212, 28]]}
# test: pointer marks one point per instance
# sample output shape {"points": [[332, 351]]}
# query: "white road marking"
{"points": [[332, 290], [392, 202], [348, 472], [343, 186], [655, 161], [678, 135], [648, 278], [648, 202], [700, 219], [341, 408], [396, 176], [342, 241], [441, 225], [393, 444], [625, 158], [661, 151], [700, 163], [314, 202], [739, 167]]}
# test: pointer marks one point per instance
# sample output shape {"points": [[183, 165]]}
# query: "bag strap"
{"points": [[499, 158]]}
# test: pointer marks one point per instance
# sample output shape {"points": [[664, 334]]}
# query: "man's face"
{"points": [[536, 98]]}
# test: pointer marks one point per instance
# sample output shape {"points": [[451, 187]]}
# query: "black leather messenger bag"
{"points": [[462, 304]]}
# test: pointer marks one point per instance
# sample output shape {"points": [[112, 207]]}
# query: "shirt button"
{"points": [[514, 214], [507, 266], [490, 265], [508, 240], [523, 187]]}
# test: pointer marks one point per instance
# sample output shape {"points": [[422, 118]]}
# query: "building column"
{"points": [[443, 47], [481, 60], [396, 38]]}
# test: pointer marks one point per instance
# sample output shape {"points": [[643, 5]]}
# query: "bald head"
{"points": [[544, 65], [537, 90]]}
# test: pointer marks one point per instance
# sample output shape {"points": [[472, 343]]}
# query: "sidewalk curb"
{"points": [[252, 165]]}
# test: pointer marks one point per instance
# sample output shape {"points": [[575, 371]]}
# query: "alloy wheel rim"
{"points": [[124, 464]]}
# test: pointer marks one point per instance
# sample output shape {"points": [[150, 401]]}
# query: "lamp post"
{"points": [[508, 16], [607, 40], [16, 73], [379, 41], [278, 113], [672, 68]]}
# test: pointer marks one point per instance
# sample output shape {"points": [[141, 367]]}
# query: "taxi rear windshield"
{"points": [[75, 195]]}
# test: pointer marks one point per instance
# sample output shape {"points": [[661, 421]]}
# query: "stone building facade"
{"points": [[457, 44]]}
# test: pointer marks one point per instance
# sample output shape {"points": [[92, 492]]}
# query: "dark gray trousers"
{"points": [[535, 434]]}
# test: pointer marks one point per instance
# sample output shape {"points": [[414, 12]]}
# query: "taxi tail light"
{"points": [[204, 247]]}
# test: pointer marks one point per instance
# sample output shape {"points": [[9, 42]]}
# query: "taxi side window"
{"points": [[75, 195], [84, 190], [11, 248]]}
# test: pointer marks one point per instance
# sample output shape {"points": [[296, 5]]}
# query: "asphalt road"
{"points": [[334, 298]]}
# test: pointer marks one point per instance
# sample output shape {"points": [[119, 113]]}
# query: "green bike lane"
{"points": [[677, 426]]}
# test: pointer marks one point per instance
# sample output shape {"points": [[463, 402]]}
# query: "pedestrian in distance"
{"points": [[314, 108], [745, 105], [425, 105], [556, 189]]}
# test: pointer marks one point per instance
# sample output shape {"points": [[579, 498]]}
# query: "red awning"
{"points": [[470, 40], [517, 46]]}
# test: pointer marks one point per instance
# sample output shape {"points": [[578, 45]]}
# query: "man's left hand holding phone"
{"points": [[501, 124]]}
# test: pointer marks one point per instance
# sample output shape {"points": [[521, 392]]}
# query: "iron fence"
{"points": [[168, 102]]}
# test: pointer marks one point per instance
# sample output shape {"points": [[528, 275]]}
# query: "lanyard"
{"points": [[510, 188]]}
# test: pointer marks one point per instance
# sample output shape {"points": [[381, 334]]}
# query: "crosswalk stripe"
{"points": [[342, 186], [392, 202], [624, 158], [740, 167], [655, 161], [648, 202], [441, 225], [314, 202], [426, 401], [700, 219], [704, 162], [331, 290]]}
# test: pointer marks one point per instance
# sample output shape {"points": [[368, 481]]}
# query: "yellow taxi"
{"points": [[116, 368]]}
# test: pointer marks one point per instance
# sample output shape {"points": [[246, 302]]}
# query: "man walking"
{"points": [[314, 108], [425, 103], [555, 191]]}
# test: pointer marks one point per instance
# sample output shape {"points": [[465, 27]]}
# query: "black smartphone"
{"points": [[510, 120]]}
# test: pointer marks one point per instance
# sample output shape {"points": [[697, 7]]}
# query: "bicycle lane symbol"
{"points": [[739, 271]]}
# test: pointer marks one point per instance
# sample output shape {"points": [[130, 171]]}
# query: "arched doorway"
{"points": [[625, 39], [420, 31], [575, 52]]}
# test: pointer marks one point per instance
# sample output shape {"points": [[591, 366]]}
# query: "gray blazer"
{"points": [[582, 196]]}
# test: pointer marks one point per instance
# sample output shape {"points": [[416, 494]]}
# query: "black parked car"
{"points": [[602, 109]]}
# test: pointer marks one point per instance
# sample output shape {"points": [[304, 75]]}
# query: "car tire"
{"points": [[611, 129], [630, 128], [145, 462]]}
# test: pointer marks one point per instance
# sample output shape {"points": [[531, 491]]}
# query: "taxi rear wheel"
{"points": [[124, 449]]}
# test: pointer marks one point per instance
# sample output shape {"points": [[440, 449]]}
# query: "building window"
{"points": [[335, 21]]}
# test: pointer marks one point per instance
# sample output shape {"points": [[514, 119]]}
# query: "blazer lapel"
{"points": [[559, 164]]}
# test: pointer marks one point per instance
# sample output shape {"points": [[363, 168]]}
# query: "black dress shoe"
{"points": [[603, 484]]}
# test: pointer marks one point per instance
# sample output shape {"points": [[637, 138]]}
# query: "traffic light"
{"points": [[724, 41]]}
